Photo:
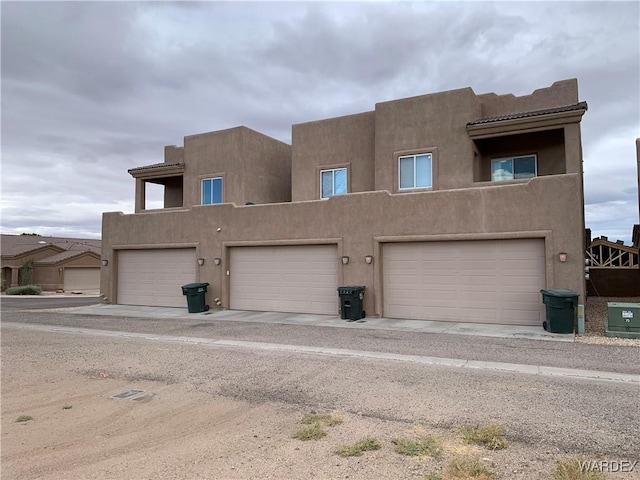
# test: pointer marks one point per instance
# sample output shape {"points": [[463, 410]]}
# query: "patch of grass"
{"points": [[425, 445], [467, 468], [314, 423], [310, 432], [321, 419], [356, 449], [572, 469], [489, 435], [433, 476], [67, 407], [24, 290], [24, 418]]}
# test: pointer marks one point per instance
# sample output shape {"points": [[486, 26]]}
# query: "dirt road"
{"points": [[222, 413]]}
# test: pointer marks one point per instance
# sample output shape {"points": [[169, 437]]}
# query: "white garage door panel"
{"points": [[81, 279], [300, 279], [155, 277], [493, 281]]}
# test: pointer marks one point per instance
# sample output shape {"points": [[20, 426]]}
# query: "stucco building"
{"points": [[448, 206], [59, 263]]}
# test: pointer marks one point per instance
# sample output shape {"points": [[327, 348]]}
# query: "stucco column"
{"points": [[140, 195], [14, 276]]}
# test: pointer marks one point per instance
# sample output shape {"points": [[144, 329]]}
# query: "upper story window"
{"points": [[333, 182], [514, 168], [415, 171], [211, 190]]}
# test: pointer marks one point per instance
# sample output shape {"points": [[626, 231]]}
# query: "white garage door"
{"points": [[81, 280], [492, 281], [300, 279], [155, 277]]}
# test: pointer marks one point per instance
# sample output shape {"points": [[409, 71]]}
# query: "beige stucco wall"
{"points": [[173, 154], [561, 93], [547, 207], [433, 123], [173, 192], [51, 276], [343, 142], [12, 264], [255, 168]]}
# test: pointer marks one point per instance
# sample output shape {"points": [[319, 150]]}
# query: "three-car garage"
{"points": [[483, 281]]}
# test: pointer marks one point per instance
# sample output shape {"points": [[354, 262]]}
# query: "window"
{"points": [[415, 171], [211, 190], [513, 168], [333, 182]]}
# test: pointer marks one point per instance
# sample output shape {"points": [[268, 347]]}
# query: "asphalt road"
{"points": [[609, 358], [28, 302]]}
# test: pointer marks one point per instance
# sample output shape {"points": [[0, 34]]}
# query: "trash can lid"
{"points": [[195, 285], [353, 288], [560, 292]]}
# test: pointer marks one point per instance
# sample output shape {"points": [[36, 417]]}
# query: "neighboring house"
{"points": [[69, 264], [450, 206]]}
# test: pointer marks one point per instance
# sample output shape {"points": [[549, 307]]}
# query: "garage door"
{"points": [[81, 280], [300, 279], [154, 277], [493, 281]]}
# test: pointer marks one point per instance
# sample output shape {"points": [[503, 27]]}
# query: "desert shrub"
{"points": [[24, 290], [490, 435], [356, 449]]}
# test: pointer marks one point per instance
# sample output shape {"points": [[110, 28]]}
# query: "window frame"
{"points": [[333, 181], [204, 179], [414, 155], [513, 159]]}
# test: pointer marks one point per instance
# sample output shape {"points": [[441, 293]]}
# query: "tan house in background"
{"points": [[69, 264], [450, 206]]}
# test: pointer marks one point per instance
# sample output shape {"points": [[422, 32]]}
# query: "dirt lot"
{"points": [[188, 432]]}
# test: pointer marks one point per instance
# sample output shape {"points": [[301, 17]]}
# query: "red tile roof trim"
{"points": [[535, 113], [156, 165]]}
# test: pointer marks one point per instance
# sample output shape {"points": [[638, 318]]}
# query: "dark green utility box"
{"points": [[195, 297], [561, 310], [624, 320]]}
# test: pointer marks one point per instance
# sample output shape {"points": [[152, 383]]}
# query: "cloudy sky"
{"points": [[92, 89]]}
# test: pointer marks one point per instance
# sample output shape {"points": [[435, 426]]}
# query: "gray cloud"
{"points": [[92, 89]]}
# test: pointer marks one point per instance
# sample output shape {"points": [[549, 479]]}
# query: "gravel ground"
{"points": [[222, 413], [611, 358], [596, 322]]}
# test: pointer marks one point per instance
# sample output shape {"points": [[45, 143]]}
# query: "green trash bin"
{"points": [[351, 303], [561, 310], [195, 297]]}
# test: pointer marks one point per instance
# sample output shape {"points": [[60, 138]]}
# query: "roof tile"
{"points": [[534, 113]]}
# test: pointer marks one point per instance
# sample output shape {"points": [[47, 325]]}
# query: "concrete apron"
{"points": [[422, 326]]}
